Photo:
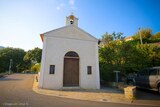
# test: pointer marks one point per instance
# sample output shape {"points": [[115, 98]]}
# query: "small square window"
{"points": [[89, 70], [52, 69]]}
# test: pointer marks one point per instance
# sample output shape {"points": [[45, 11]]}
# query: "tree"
{"points": [[33, 55], [127, 57], [117, 36], [156, 36], [145, 34], [25, 65], [6, 54], [107, 38], [36, 67]]}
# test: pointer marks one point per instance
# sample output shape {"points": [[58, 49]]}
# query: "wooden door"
{"points": [[71, 72]]}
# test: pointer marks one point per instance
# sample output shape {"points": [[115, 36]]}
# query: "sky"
{"points": [[22, 21]]}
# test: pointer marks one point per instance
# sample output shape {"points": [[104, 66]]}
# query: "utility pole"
{"points": [[10, 66], [139, 32], [117, 75]]}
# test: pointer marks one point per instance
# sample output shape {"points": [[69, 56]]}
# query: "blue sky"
{"points": [[21, 21]]}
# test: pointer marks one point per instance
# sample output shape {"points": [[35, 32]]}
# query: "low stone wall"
{"points": [[130, 92]]}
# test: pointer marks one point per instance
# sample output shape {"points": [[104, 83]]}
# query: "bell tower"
{"points": [[71, 20]]}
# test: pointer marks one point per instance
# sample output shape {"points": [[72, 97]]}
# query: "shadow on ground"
{"points": [[9, 79], [103, 89], [5, 78], [144, 94]]}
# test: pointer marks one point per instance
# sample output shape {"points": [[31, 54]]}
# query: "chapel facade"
{"points": [[69, 58]]}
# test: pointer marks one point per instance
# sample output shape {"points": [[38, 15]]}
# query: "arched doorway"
{"points": [[71, 69]]}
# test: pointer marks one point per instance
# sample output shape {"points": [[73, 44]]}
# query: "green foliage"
{"points": [[21, 60], [156, 36], [33, 55], [117, 36], [127, 57], [36, 67], [25, 65], [145, 34], [6, 54], [107, 38]]}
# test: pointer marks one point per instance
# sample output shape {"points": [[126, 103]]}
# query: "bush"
{"points": [[35, 68], [126, 57]]}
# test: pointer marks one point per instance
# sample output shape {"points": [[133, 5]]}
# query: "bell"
{"points": [[71, 21]]}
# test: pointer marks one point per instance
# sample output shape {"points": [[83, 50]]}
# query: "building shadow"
{"points": [[103, 89]]}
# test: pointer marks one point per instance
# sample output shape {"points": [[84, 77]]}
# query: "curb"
{"points": [[86, 96], [79, 95]]}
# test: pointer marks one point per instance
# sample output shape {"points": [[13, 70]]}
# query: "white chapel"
{"points": [[69, 58]]}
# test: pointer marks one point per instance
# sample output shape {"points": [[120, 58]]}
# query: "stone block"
{"points": [[130, 92]]}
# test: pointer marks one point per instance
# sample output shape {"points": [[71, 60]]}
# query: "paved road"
{"points": [[16, 90], [147, 97]]}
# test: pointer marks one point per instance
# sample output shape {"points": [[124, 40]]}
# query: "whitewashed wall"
{"points": [[60, 41], [54, 50]]}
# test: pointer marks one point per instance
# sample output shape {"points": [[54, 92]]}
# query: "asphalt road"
{"points": [[147, 97], [16, 90]]}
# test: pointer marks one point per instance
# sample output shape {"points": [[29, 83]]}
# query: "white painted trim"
{"points": [[71, 39], [81, 30]]}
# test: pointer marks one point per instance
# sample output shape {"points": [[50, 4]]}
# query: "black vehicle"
{"points": [[131, 79], [149, 78]]}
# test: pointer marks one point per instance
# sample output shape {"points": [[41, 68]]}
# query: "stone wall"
{"points": [[130, 92]]}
